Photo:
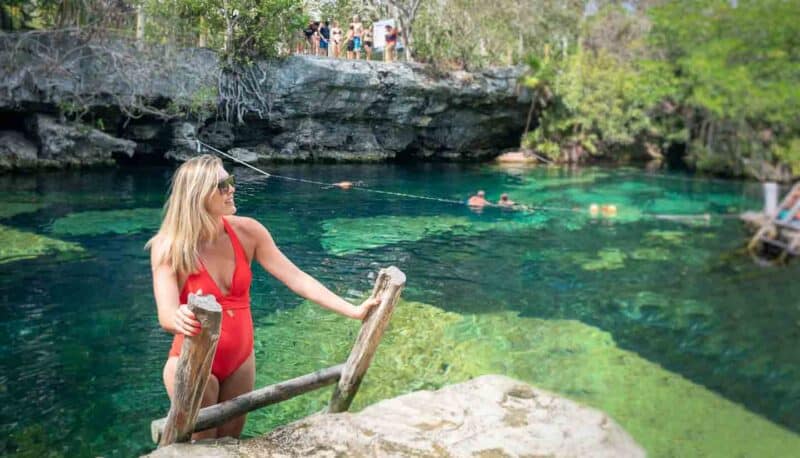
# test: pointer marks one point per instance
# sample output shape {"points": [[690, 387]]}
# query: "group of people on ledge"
{"points": [[479, 201], [322, 39]]}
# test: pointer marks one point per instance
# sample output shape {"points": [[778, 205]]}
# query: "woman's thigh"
{"points": [[240, 382], [210, 395]]}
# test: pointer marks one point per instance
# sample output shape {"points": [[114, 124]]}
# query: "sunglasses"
{"points": [[226, 184]]}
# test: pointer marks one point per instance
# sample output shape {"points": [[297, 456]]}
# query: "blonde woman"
{"points": [[202, 247]]}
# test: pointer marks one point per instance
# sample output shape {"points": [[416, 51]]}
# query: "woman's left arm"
{"points": [[276, 263]]}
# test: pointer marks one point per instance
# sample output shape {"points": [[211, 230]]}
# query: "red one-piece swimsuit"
{"points": [[236, 337]]}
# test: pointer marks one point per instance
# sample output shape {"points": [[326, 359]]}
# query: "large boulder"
{"points": [[491, 415]]}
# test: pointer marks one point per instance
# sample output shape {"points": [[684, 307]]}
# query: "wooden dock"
{"points": [[777, 234]]}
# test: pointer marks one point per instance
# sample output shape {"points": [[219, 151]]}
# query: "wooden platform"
{"points": [[754, 220], [777, 236]]}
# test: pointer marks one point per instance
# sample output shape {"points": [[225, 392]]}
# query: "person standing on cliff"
{"points": [[391, 42], [368, 42], [315, 38], [309, 32], [350, 40], [358, 32], [336, 39], [324, 39]]}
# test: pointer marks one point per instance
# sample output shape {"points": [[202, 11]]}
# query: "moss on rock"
{"points": [[112, 221], [16, 245], [10, 208], [343, 236], [426, 348]]}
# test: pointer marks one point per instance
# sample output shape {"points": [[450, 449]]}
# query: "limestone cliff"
{"points": [[297, 108]]}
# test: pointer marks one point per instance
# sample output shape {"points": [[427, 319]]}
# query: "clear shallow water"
{"points": [[81, 351]]}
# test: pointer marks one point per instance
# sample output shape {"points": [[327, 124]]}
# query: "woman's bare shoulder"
{"points": [[245, 224], [249, 230]]}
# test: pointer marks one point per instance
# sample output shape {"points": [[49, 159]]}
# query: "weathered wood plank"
{"points": [[388, 286], [218, 414], [193, 369]]}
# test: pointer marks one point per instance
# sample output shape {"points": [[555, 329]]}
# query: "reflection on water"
{"points": [[80, 366]]}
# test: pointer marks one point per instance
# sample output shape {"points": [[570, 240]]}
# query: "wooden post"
{"points": [[194, 367], [388, 286], [770, 199], [218, 414], [141, 21]]}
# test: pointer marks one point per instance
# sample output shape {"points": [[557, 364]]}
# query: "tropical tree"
{"points": [[243, 29]]}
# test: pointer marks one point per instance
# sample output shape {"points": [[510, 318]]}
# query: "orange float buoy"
{"points": [[609, 210]]}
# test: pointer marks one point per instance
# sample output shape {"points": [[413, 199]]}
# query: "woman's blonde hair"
{"points": [[186, 220]]}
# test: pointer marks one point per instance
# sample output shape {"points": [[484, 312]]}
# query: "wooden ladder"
{"points": [[194, 365]]}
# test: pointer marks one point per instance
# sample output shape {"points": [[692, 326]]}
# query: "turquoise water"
{"points": [[81, 351]]}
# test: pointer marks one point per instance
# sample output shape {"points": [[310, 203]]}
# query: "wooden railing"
{"points": [[194, 367]]}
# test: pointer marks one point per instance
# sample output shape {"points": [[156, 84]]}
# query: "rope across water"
{"points": [[356, 186], [524, 208]]}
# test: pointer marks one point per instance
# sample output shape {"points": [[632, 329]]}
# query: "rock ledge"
{"points": [[489, 416]]}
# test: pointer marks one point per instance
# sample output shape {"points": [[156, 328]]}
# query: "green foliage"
{"points": [[472, 33], [789, 153], [202, 104], [598, 103], [241, 29], [737, 70], [718, 78]]}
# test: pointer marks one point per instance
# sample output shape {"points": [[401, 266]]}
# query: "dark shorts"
{"points": [[350, 45], [323, 44], [368, 44]]}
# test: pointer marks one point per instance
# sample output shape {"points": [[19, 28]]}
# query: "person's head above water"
{"points": [[481, 193], [201, 193], [503, 196]]}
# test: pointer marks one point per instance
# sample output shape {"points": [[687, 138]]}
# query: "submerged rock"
{"points": [[492, 415], [16, 245]]}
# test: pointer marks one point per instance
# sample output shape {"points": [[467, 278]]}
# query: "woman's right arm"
{"points": [[172, 316]]}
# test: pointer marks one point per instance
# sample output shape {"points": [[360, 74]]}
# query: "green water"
{"points": [[666, 325]]}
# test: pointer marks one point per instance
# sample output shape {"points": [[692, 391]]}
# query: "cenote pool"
{"points": [[666, 325]]}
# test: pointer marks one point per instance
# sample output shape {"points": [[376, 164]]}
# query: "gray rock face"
{"points": [[16, 150], [74, 144], [488, 416], [49, 142], [298, 108]]}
